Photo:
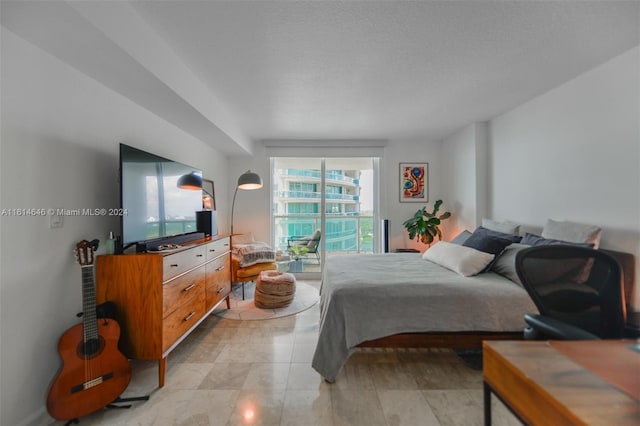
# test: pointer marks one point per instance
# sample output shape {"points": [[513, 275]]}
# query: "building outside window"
{"points": [[298, 200]]}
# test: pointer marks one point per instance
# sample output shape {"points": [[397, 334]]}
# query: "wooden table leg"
{"points": [[487, 403], [162, 368]]}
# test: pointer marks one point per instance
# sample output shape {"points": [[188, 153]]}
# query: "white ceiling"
{"points": [[235, 72]]}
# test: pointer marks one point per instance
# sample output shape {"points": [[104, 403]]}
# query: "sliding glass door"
{"points": [[324, 206]]}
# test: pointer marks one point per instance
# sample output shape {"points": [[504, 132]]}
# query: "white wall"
{"points": [[464, 178], [391, 208], [252, 212], [252, 208], [60, 136], [574, 154]]}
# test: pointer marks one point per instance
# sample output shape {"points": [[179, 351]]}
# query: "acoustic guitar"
{"points": [[94, 373]]}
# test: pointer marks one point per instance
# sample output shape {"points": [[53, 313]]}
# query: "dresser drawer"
{"points": [[218, 280], [178, 263], [182, 289], [181, 320], [217, 248]]}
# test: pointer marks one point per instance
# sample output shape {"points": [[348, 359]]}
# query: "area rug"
{"points": [[244, 310]]}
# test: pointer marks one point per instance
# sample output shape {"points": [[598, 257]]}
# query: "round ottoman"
{"points": [[274, 290]]}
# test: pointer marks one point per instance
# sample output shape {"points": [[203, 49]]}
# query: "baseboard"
{"points": [[40, 417]]}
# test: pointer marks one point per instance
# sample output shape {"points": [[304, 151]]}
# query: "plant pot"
{"points": [[296, 265]]}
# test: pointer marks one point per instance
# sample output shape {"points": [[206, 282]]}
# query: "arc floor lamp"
{"points": [[247, 181]]}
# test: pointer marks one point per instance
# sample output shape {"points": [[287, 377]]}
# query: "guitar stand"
{"points": [[130, 399], [111, 406]]}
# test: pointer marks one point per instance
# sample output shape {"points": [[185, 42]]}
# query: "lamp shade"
{"points": [[249, 180], [190, 181]]}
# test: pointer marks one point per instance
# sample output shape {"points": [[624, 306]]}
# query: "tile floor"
{"points": [[231, 372]]}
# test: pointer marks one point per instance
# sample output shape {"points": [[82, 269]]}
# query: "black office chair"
{"points": [[578, 291]]}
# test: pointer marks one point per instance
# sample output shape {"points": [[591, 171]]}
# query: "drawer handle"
{"points": [[199, 255], [220, 269], [188, 317], [226, 244], [174, 265], [186, 289], [212, 250], [220, 290]]}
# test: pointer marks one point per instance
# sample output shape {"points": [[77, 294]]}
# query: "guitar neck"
{"points": [[89, 321]]}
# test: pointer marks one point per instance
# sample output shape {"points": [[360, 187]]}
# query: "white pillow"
{"points": [[504, 227], [243, 238], [463, 260], [572, 232]]}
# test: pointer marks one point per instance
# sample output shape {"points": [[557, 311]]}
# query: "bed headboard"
{"points": [[628, 263]]}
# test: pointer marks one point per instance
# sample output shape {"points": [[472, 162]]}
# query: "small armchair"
{"points": [[310, 242], [249, 258]]}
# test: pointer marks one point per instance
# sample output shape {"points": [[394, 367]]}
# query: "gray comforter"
{"points": [[365, 297]]}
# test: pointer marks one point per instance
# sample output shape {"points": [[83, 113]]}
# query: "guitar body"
{"points": [[87, 383], [94, 373]]}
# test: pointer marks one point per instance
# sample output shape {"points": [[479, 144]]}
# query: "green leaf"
{"points": [[425, 226]]}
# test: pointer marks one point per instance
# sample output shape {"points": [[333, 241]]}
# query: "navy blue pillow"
{"points": [[487, 243], [536, 240], [485, 231]]}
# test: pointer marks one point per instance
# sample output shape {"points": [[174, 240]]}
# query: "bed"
{"points": [[455, 295], [403, 300]]}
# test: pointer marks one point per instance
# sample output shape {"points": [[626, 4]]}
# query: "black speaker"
{"points": [[207, 222], [385, 235]]}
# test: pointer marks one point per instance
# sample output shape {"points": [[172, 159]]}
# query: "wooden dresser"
{"points": [[162, 297]]}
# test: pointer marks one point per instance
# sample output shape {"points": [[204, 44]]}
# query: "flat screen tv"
{"points": [[155, 210]]}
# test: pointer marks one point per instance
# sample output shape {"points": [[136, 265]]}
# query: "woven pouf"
{"points": [[274, 290]]}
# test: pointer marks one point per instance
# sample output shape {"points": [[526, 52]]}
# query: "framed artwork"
{"points": [[414, 182], [208, 195]]}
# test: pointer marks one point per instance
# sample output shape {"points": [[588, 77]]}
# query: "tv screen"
{"points": [[155, 208]]}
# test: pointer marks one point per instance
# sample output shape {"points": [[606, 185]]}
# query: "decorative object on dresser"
{"points": [[163, 296], [208, 195], [207, 219], [247, 181]]}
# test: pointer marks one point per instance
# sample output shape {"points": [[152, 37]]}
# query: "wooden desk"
{"points": [[564, 383]]}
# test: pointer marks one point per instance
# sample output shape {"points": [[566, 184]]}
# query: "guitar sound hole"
{"points": [[90, 348]]}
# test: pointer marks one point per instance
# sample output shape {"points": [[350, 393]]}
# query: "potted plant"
{"points": [[297, 253], [425, 226]]}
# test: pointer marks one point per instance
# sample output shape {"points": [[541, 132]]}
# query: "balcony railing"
{"points": [[310, 195], [346, 233], [315, 174]]}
